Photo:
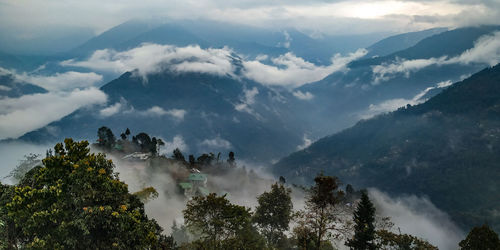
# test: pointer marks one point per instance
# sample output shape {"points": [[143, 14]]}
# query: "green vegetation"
{"points": [[447, 148], [364, 228], [75, 201], [481, 238], [273, 214]]}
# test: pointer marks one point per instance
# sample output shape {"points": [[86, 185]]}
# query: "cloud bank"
{"points": [[486, 50], [418, 216], [286, 70], [58, 82], [155, 111], [31, 112], [292, 71], [154, 58], [333, 17], [393, 104]]}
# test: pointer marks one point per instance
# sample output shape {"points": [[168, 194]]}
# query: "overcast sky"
{"points": [[27, 17]]}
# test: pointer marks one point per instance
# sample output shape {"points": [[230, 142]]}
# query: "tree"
{"points": [[75, 201], [274, 212], [154, 146], [143, 141], [481, 238], [220, 224], [106, 138], [177, 155], [389, 240], [192, 161], [160, 143], [231, 160], [364, 228], [322, 208]]}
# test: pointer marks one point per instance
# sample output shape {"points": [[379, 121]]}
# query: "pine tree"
{"points": [[364, 229]]}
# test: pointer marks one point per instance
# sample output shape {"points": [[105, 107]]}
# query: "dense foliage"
{"points": [[481, 238], [220, 224], [75, 201], [273, 214]]}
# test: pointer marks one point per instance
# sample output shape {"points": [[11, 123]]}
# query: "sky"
{"points": [[29, 18]]}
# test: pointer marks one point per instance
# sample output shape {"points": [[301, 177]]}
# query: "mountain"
{"points": [[211, 113], [400, 42], [114, 37], [447, 148], [10, 87], [372, 86]]}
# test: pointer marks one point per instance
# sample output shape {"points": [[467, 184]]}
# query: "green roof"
{"points": [[197, 177], [203, 191], [186, 185]]}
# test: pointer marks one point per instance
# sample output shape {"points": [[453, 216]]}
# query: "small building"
{"points": [[198, 179], [187, 188]]}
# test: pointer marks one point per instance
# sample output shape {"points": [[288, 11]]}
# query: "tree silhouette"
{"points": [[364, 228]]}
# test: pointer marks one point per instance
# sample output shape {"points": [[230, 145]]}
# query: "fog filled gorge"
{"points": [[274, 125]]}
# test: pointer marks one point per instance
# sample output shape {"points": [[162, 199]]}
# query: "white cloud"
{"points": [[216, 143], [154, 58], [393, 104], [486, 50], [4, 88], [303, 96], [177, 142], [292, 71], [158, 111], [307, 143], [58, 82], [111, 110], [247, 101], [62, 81], [30, 112], [122, 107], [287, 70], [418, 216]]}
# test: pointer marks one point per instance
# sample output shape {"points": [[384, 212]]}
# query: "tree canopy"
{"points": [[76, 201]]}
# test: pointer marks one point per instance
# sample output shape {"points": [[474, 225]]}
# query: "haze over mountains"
{"points": [[220, 99], [264, 94], [258, 89]]}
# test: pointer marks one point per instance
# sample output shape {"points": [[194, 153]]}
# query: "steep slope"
{"points": [[371, 86], [114, 36], [447, 148], [210, 113], [9, 87], [400, 42]]}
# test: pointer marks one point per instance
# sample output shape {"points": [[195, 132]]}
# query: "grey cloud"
{"points": [[311, 15]]}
